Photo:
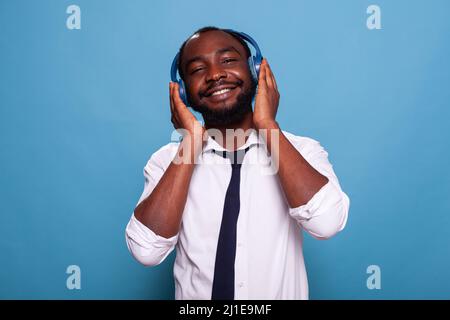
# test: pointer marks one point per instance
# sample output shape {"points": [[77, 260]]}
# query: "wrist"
{"points": [[267, 124], [191, 146]]}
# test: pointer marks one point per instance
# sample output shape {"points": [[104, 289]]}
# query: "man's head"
{"points": [[213, 64]]}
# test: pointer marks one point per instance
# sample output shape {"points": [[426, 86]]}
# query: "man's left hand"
{"points": [[267, 98]]}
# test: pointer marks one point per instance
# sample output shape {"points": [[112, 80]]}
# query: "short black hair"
{"points": [[205, 29]]}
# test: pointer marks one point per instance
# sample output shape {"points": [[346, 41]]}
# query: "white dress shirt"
{"points": [[269, 259]]}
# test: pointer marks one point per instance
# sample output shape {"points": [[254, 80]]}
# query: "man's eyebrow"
{"points": [[227, 49], [220, 51], [193, 59]]}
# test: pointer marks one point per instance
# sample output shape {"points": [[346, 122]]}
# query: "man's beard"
{"points": [[228, 115]]}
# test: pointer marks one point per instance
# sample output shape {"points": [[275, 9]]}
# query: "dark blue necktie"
{"points": [[223, 284]]}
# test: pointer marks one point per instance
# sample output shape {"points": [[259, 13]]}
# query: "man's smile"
{"points": [[221, 92], [222, 95]]}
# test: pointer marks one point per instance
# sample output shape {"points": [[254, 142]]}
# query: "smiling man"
{"points": [[237, 230]]}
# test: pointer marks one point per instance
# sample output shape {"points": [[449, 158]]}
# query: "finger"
{"points": [[172, 110], [271, 78], [177, 98], [171, 97], [175, 122], [174, 117], [268, 77], [176, 108], [262, 83], [266, 73]]}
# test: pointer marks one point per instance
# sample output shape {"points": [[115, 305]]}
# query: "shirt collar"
{"points": [[212, 144]]}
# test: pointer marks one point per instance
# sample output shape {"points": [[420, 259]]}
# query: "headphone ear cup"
{"points": [[251, 65], [182, 91], [257, 66]]}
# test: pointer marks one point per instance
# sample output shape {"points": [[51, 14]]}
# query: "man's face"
{"points": [[217, 77]]}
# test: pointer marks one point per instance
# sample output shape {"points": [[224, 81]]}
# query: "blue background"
{"points": [[83, 110]]}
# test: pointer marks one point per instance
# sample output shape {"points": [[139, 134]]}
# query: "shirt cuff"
{"points": [[325, 195], [325, 214], [145, 245]]}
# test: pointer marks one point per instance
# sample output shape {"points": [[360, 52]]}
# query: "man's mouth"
{"points": [[215, 93], [220, 89], [220, 93]]}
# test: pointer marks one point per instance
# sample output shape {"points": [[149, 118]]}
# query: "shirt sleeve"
{"points": [[146, 246], [325, 214]]}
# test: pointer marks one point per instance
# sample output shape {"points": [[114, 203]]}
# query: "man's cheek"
{"points": [[191, 96], [190, 91]]}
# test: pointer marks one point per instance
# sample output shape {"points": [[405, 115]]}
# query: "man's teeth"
{"points": [[220, 92]]}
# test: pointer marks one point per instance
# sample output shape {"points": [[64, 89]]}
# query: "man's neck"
{"points": [[237, 131]]}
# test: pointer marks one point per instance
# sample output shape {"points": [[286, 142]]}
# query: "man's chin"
{"points": [[223, 115], [221, 106]]}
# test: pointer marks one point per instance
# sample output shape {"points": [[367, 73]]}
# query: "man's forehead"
{"points": [[209, 42]]}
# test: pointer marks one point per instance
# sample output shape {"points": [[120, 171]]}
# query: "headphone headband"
{"points": [[249, 39]]}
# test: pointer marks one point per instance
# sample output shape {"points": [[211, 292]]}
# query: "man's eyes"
{"points": [[196, 70], [226, 61], [229, 60]]}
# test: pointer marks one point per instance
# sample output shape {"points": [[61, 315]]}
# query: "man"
{"points": [[237, 229]]}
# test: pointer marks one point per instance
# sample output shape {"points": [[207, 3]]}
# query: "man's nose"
{"points": [[215, 73]]}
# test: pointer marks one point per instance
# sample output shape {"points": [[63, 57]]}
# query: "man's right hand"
{"points": [[183, 120], [182, 117]]}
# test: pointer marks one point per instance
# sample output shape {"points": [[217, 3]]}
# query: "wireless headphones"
{"points": [[254, 63]]}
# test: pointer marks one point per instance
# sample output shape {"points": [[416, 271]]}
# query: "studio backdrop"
{"points": [[84, 103]]}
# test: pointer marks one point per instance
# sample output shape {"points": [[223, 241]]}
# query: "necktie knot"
{"points": [[236, 157]]}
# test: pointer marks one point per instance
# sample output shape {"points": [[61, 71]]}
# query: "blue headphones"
{"points": [[254, 62]]}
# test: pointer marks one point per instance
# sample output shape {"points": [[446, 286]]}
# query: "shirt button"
{"points": [[240, 244], [241, 284]]}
